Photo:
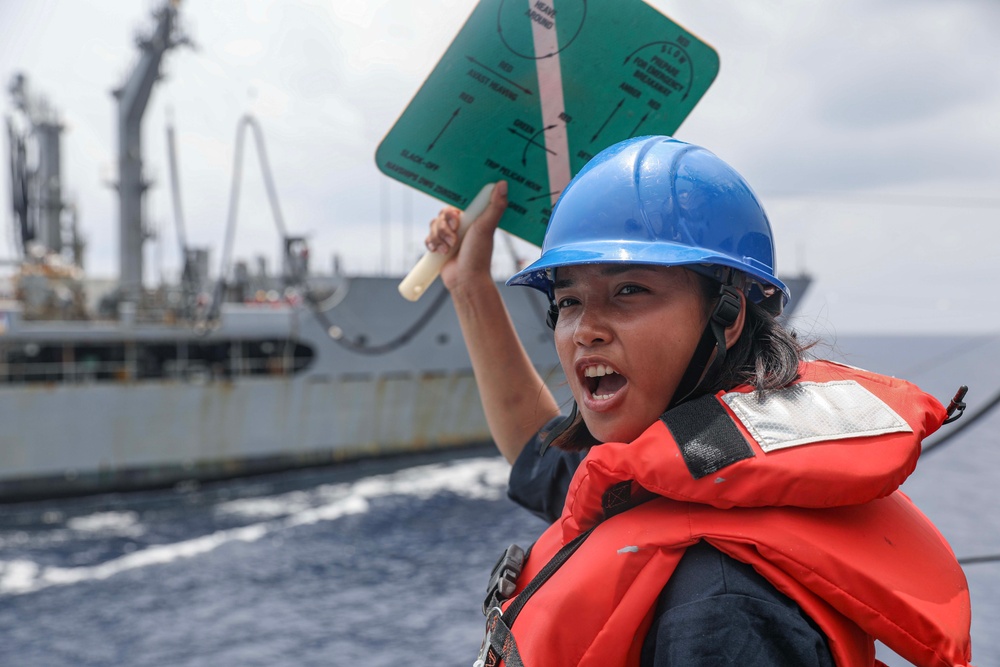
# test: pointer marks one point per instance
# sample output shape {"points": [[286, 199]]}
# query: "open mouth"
{"points": [[602, 381]]}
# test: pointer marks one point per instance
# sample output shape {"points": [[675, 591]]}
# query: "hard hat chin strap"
{"points": [[726, 310]]}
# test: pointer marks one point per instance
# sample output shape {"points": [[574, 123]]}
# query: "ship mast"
{"points": [[132, 99], [37, 191]]}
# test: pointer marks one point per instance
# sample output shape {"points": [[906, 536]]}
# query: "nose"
{"points": [[592, 327]]}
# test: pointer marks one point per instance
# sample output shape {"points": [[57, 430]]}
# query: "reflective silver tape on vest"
{"points": [[814, 412]]}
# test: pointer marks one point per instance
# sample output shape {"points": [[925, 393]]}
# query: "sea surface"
{"points": [[377, 563]]}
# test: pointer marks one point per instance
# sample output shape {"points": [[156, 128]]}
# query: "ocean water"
{"points": [[374, 563], [362, 565]]}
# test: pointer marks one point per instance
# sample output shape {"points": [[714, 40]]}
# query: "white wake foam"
{"points": [[483, 478], [125, 524]]}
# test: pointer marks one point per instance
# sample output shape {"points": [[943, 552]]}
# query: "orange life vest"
{"points": [[811, 503]]}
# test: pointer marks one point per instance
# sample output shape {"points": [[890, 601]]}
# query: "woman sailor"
{"points": [[715, 498]]}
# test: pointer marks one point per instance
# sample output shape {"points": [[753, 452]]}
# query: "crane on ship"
{"points": [[132, 98]]}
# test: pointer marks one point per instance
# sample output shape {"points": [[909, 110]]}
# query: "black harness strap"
{"points": [[501, 644], [624, 496], [617, 499], [510, 615]]}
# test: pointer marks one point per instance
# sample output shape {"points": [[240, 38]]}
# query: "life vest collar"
{"points": [[838, 436]]}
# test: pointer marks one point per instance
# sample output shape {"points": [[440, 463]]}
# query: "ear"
{"points": [[735, 330]]}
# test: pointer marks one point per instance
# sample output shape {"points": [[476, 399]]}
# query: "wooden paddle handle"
{"points": [[426, 271]]}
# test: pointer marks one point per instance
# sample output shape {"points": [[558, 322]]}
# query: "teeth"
{"points": [[600, 370]]}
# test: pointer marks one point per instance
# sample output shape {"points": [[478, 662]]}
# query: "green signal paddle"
{"points": [[529, 91]]}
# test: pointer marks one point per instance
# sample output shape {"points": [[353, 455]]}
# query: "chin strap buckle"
{"points": [[728, 308]]}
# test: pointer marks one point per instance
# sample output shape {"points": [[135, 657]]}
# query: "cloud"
{"points": [[855, 95], [855, 120], [897, 66]]}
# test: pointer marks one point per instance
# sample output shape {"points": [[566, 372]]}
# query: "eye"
{"points": [[632, 289], [566, 302]]}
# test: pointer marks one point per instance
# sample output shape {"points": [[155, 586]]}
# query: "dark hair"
{"points": [[766, 356]]}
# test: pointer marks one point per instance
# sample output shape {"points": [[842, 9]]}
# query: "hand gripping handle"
{"points": [[426, 271]]}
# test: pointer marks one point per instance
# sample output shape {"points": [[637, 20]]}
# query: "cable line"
{"points": [[967, 421], [336, 334], [973, 560]]}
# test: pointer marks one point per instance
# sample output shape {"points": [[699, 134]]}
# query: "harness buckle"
{"points": [[503, 577], [487, 654]]}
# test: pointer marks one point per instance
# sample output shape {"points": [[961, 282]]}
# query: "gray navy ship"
{"points": [[211, 378]]}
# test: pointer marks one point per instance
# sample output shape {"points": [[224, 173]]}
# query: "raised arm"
{"points": [[515, 399]]}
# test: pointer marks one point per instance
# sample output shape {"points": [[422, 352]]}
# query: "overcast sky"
{"points": [[870, 128]]}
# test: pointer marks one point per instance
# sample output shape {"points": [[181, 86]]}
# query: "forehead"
{"points": [[566, 276]]}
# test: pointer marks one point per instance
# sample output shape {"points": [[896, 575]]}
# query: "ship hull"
{"points": [[383, 377]]}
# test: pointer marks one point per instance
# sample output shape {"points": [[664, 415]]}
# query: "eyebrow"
{"points": [[606, 270]]}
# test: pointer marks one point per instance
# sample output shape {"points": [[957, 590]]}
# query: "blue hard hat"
{"points": [[657, 200]]}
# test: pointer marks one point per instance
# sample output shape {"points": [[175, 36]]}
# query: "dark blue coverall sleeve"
{"points": [[714, 610], [539, 479]]}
